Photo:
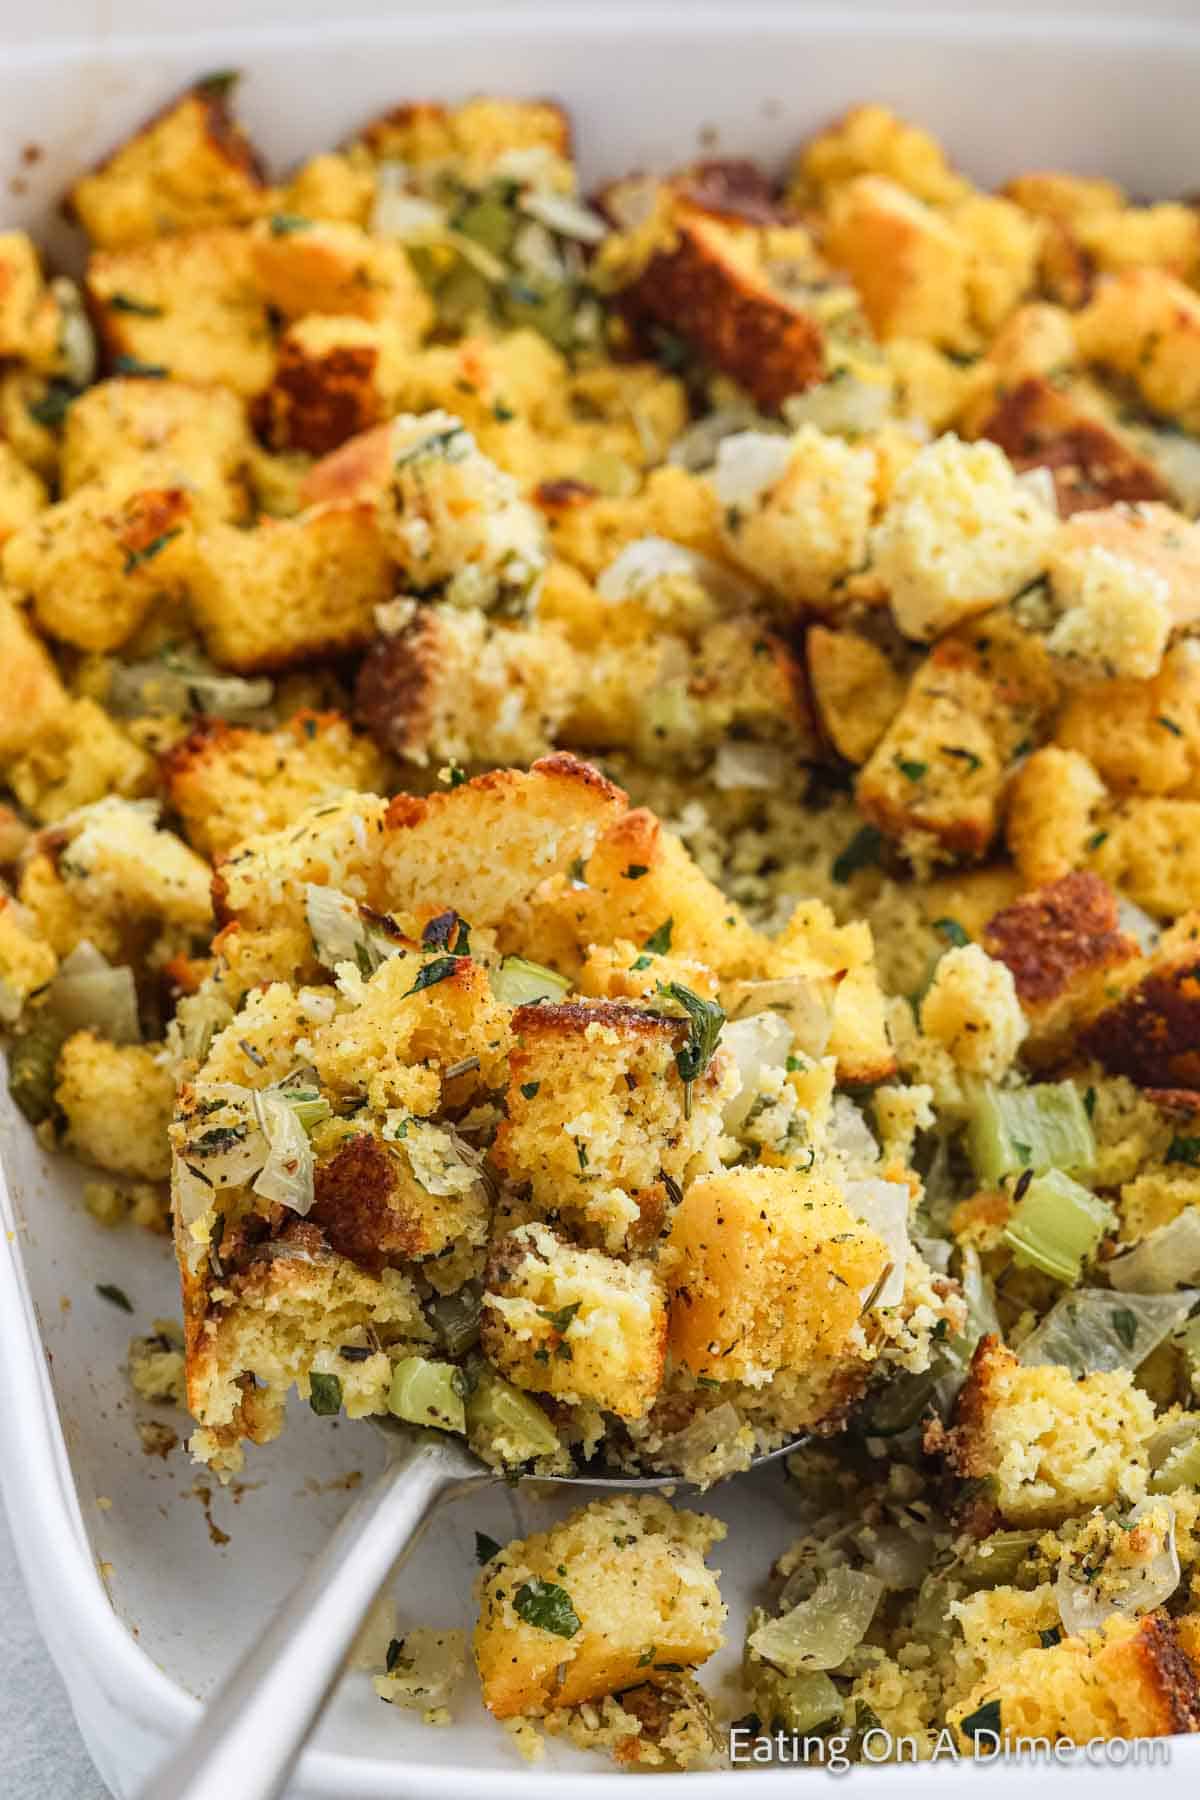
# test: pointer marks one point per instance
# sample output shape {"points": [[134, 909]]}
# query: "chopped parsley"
{"points": [[125, 303], [135, 558], [1124, 1323], [560, 1317], [705, 1019], [324, 1394], [284, 224], [985, 1720], [438, 970], [395, 1653], [962, 755], [51, 409], [530, 1089], [1169, 725], [1184, 1150], [912, 771], [660, 941], [1097, 838], [546, 1606], [862, 852], [485, 1548], [115, 1296], [641, 962], [133, 365], [953, 932], [635, 871], [448, 931], [1050, 1635]]}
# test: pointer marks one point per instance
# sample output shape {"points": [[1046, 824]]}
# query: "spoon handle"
{"points": [[255, 1725]]}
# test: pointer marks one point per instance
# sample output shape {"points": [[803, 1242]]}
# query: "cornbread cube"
{"points": [[22, 493], [117, 1100], [1155, 539], [330, 185], [1164, 237], [589, 531], [638, 883], [229, 782], [1117, 615], [27, 962], [873, 140], [1148, 1032], [1049, 1446], [959, 535], [1149, 851], [96, 563], [573, 1323], [1040, 423], [258, 1046], [470, 138], [379, 1200], [1145, 324], [909, 264], [398, 1043], [278, 1319], [198, 312], [636, 1591], [290, 591], [1052, 814], [769, 1270], [612, 972], [334, 378], [1141, 737], [322, 267], [188, 167], [1131, 1679], [1061, 941], [456, 521], [483, 847], [595, 1103], [1003, 245], [840, 961], [119, 860], [806, 530], [81, 755], [34, 693], [701, 266], [972, 1009], [451, 686], [856, 689], [1036, 344], [22, 295], [1053, 194], [160, 434]]}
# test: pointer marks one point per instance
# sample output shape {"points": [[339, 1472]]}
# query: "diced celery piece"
{"points": [[455, 1318], [793, 1703], [428, 1393], [33, 1065], [497, 1410], [1058, 1225], [518, 982], [821, 1631], [1039, 1128]]}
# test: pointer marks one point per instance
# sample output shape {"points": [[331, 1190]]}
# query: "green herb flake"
{"points": [[51, 409], [966, 757], [440, 969], [503, 414], [135, 558], [647, 1656], [115, 1296], [395, 1652], [134, 366], [1169, 725], [1089, 1101], [1097, 838], [705, 1019], [449, 931], [862, 852], [1184, 1150], [912, 771], [324, 1394], [560, 1317], [953, 932], [219, 84], [659, 942], [530, 1089], [547, 1607], [485, 1548], [1124, 1323], [581, 1155], [1050, 1635], [284, 224], [635, 871], [126, 303], [642, 962], [984, 1721]]}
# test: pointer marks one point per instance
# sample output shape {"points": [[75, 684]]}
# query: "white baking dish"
{"points": [[141, 1609]]}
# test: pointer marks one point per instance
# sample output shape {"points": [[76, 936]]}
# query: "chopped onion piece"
{"points": [[850, 1133], [1038, 483], [569, 218], [748, 464], [846, 403], [76, 338], [821, 1632], [647, 559], [185, 684], [757, 1043], [1138, 925], [88, 995], [1088, 1597], [796, 998], [518, 982], [441, 1161], [738, 765], [1094, 1331], [398, 212], [696, 448], [1164, 1258], [287, 1174], [883, 1207]]}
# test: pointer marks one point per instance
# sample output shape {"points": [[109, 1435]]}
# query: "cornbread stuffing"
{"points": [[600, 807]]}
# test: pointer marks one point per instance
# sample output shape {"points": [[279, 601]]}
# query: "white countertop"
{"points": [[43, 1754]]}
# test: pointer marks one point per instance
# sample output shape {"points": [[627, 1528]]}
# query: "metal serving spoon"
{"points": [[258, 1721]]}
